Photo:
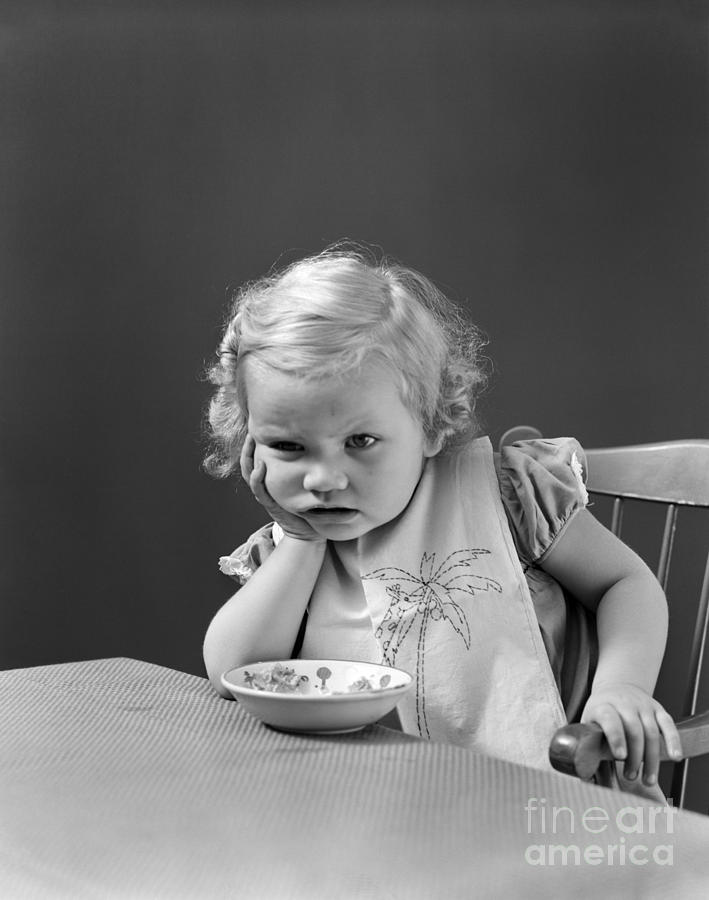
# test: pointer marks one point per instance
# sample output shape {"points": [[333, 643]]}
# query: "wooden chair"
{"points": [[673, 474]]}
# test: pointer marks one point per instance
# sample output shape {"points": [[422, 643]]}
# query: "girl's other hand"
{"points": [[633, 724], [254, 472]]}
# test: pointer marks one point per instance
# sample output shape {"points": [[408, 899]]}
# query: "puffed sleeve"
{"points": [[542, 488], [243, 562]]}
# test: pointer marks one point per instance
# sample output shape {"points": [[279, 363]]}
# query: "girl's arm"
{"points": [[606, 576], [261, 621]]}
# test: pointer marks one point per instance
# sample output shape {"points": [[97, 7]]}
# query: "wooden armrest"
{"points": [[580, 749]]}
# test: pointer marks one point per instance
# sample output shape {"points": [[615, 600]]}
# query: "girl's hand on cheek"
{"points": [[254, 473], [633, 724]]}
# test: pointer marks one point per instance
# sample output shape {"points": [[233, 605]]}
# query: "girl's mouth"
{"points": [[336, 513]]}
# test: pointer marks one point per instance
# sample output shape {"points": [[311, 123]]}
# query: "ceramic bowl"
{"points": [[317, 696]]}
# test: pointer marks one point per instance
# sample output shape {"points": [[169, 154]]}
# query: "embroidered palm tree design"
{"points": [[416, 599]]}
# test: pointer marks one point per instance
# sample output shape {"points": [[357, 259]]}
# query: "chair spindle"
{"points": [[668, 538], [699, 638], [617, 518]]}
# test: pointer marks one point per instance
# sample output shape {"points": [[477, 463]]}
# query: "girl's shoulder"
{"points": [[542, 486], [243, 562]]}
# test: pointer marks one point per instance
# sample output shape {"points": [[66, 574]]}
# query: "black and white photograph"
{"points": [[354, 449]]}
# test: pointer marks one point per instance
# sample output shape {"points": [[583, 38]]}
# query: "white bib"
{"points": [[448, 602]]}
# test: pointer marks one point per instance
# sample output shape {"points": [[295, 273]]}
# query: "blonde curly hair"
{"points": [[327, 314]]}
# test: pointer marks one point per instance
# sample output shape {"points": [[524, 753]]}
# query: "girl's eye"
{"points": [[361, 441], [285, 446]]}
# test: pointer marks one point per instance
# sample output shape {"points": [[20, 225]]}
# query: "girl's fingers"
{"points": [[635, 739], [612, 724], [635, 733], [669, 732], [254, 471], [247, 458], [258, 486], [257, 482], [651, 763]]}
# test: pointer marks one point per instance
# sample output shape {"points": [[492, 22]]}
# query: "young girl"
{"points": [[346, 391]]}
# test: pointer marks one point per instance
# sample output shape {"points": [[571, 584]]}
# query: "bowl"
{"points": [[317, 696]]}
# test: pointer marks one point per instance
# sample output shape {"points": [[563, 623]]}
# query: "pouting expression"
{"points": [[344, 453]]}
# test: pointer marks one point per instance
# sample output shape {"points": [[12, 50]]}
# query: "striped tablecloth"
{"points": [[122, 779]]}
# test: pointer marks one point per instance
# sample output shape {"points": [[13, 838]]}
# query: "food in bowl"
{"points": [[279, 678], [283, 679]]}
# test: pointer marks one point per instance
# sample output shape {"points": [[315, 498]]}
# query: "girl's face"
{"points": [[344, 454]]}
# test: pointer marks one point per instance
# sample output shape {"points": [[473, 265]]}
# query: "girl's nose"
{"points": [[322, 478]]}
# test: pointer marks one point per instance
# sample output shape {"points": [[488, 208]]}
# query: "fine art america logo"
{"points": [[632, 836]]}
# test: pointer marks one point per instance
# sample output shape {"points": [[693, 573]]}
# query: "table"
{"points": [[123, 779]]}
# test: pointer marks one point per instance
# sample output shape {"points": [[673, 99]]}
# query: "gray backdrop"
{"points": [[545, 162]]}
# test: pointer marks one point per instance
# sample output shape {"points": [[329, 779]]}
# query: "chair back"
{"points": [[673, 474]]}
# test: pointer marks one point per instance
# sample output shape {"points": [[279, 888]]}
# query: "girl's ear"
{"points": [[432, 445]]}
